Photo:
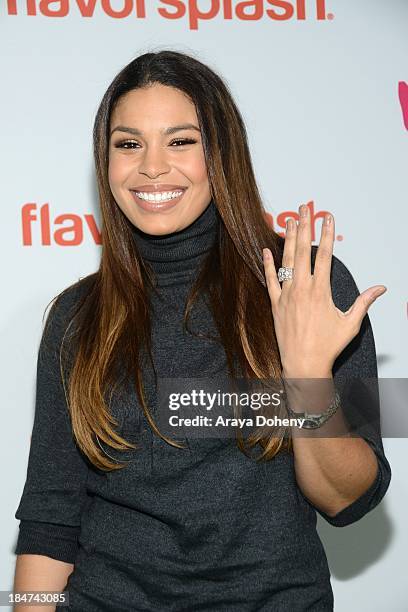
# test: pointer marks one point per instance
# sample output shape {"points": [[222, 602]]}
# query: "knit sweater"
{"points": [[204, 528]]}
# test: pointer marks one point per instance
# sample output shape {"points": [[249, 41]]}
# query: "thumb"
{"points": [[374, 292], [365, 300]]}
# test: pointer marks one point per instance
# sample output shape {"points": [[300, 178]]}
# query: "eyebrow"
{"points": [[169, 130]]}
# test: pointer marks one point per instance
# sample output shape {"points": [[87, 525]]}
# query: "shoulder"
{"points": [[344, 287], [66, 304], [69, 297]]}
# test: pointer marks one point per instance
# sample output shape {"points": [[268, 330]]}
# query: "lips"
{"points": [[152, 205], [156, 188]]}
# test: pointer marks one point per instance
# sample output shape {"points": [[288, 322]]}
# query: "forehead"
{"points": [[158, 104]]}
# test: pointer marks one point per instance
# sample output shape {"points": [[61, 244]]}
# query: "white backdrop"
{"points": [[325, 124]]}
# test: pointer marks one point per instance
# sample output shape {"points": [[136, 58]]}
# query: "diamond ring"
{"points": [[285, 273]]}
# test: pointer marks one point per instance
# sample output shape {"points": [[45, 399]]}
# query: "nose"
{"points": [[153, 162]]}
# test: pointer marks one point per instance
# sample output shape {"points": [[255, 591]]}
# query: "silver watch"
{"points": [[314, 421]]}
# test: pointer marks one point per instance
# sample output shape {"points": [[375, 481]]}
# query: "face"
{"points": [[157, 169]]}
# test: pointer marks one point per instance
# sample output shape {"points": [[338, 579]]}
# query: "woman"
{"points": [[122, 516]]}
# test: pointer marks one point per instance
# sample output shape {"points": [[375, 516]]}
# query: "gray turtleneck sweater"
{"points": [[206, 528]]}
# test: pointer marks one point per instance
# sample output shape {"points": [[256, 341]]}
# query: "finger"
{"points": [[271, 277], [288, 257], [323, 261], [302, 263]]}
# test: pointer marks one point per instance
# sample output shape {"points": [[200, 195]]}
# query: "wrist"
{"points": [[306, 373], [309, 394]]}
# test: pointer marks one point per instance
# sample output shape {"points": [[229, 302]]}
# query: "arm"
{"points": [[55, 489], [40, 573], [335, 470], [347, 477]]}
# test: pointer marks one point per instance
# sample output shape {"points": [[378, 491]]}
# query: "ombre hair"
{"points": [[111, 327]]}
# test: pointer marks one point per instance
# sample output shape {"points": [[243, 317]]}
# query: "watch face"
{"points": [[311, 424]]}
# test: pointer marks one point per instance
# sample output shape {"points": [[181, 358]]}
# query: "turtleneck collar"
{"points": [[177, 255]]}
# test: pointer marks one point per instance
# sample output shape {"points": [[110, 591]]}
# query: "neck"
{"points": [[177, 256]]}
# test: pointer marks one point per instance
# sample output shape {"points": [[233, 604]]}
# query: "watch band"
{"points": [[314, 421]]}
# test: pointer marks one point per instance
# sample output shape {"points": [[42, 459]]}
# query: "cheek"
{"points": [[116, 179], [110, 180], [198, 169], [117, 171], [112, 174]]}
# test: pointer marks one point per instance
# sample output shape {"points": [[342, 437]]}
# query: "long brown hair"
{"points": [[112, 321]]}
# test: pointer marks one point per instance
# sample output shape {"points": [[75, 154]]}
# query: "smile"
{"points": [[157, 201], [158, 196]]}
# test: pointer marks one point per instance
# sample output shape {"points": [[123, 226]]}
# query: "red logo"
{"points": [[403, 98], [281, 218], [71, 229], [64, 230], [275, 10]]}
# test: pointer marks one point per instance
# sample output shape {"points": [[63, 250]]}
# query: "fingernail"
{"points": [[379, 292], [266, 253], [303, 210], [328, 219]]}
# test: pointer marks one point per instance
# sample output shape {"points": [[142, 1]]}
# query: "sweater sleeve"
{"points": [[55, 488], [355, 372]]}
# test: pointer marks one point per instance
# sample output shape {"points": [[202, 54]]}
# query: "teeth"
{"points": [[161, 196]]}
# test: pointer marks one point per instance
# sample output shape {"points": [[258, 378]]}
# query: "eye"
{"points": [[124, 144], [184, 141]]}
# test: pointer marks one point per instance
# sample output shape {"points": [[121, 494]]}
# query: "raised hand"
{"points": [[311, 331]]}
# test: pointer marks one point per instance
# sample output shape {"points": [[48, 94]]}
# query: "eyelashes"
{"points": [[183, 141]]}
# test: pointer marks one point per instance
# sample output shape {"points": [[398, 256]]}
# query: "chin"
{"points": [[155, 228]]}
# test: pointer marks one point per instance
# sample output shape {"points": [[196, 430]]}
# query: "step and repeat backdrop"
{"points": [[322, 86]]}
